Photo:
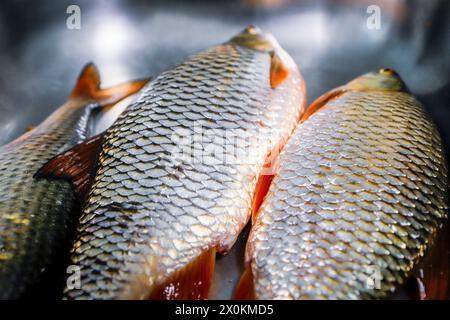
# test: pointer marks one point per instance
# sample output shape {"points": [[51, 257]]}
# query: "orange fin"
{"points": [[430, 279], [268, 172], [278, 71], [88, 87], [77, 165], [322, 101], [245, 289], [262, 187], [190, 283]]}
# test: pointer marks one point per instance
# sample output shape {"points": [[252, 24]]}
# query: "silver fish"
{"points": [[36, 215], [153, 222], [360, 196]]}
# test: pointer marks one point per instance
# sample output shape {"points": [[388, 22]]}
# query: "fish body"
{"points": [[156, 216], [359, 198], [35, 214]]}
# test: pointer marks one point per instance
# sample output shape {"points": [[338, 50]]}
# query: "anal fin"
{"points": [[190, 283], [78, 165], [245, 289]]}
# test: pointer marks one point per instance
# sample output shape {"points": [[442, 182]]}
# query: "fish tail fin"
{"points": [[245, 289], [88, 87], [190, 283]]}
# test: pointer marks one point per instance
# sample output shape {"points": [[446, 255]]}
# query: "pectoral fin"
{"points": [[77, 165], [278, 70], [88, 87]]}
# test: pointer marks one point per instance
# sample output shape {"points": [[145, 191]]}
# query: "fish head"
{"points": [[254, 38], [385, 79]]}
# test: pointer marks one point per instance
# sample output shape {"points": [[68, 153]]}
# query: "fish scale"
{"points": [[36, 213], [379, 175], [158, 212]]}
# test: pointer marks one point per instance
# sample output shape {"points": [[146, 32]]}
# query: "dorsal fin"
{"points": [[322, 101], [88, 87], [77, 165]]}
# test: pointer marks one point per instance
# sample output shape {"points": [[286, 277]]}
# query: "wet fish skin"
{"points": [[33, 213], [361, 192], [149, 216], [36, 214]]}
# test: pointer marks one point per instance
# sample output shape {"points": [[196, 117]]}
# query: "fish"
{"points": [[36, 214], [358, 200], [157, 214]]}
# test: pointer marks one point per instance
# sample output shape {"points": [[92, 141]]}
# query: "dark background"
{"points": [[40, 57]]}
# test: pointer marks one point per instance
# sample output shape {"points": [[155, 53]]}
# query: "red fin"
{"points": [[278, 71], [265, 178], [88, 86], [77, 164], [262, 187], [430, 279], [245, 289], [270, 168], [191, 283], [321, 101]]}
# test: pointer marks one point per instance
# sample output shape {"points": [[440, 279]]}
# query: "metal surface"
{"points": [[330, 41]]}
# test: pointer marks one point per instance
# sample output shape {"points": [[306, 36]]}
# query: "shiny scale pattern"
{"points": [[34, 215], [149, 212], [362, 188]]}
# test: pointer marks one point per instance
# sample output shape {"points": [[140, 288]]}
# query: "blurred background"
{"points": [[43, 48]]}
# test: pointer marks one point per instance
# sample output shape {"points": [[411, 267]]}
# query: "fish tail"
{"points": [[245, 288], [190, 283], [88, 87]]}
